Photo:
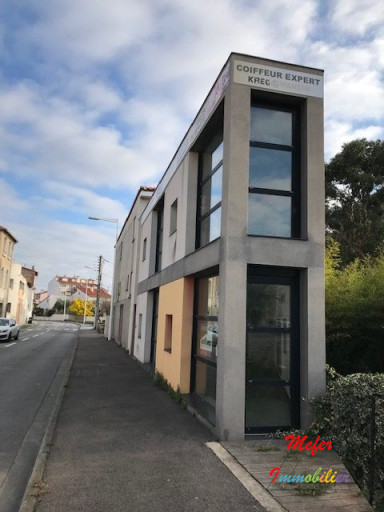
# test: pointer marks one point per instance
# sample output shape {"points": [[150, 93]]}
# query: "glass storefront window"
{"points": [[208, 297], [206, 340], [268, 305], [205, 382], [268, 356], [268, 407], [207, 337], [272, 349]]}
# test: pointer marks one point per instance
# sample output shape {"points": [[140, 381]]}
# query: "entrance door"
{"points": [[272, 352], [121, 319], [155, 315]]}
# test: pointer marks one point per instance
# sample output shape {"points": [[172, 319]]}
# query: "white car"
{"points": [[8, 329]]}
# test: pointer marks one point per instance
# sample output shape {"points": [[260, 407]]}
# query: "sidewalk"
{"points": [[122, 444]]}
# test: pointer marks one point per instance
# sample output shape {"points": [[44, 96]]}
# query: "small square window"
{"points": [[168, 333], [173, 218]]}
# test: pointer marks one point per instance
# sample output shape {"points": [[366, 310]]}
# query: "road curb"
{"points": [[246, 479], [29, 499]]}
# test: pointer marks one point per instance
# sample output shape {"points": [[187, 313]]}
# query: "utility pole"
{"points": [[99, 273]]}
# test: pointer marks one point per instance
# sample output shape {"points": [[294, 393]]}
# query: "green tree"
{"points": [[355, 198], [59, 306], [77, 307], [354, 312]]}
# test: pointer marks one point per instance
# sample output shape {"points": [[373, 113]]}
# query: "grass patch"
{"points": [[162, 383], [312, 489], [266, 448]]}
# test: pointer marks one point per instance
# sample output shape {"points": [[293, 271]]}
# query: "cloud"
{"points": [[357, 16], [51, 136], [58, 195], [10, 202], [86, 33], [96, 97], [63, 248]]}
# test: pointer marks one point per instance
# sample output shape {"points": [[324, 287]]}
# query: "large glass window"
{"points": [[274, 172], [206, 337], [272, 351], [210, 192]]}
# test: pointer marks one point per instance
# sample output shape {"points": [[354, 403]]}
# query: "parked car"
{"points": [[8, 329]]}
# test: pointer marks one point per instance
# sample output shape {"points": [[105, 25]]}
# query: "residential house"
{"points": [[130, 253], [7, 243], [21, 292], [69, 288]]}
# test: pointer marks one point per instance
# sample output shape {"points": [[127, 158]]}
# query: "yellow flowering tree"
{"points": [[77, 307]]}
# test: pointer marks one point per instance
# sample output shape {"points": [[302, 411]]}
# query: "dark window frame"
{"points": [[195, 357], [296, 171], [291, 277], [159, 235], [201, 182]]}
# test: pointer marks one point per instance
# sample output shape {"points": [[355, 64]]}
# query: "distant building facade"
{"points": [[7, 244], [21, 292], [224, 295], [69, 288], [130, 252]]}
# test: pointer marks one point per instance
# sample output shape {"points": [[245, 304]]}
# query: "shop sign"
{"points": [[278, 79]]}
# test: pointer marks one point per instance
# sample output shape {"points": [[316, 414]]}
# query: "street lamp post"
{"points": [[115, 221], [86, 300]]}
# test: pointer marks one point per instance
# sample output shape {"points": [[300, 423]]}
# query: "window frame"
{"points": [[173, 217], [295, 150], [203, 179]]}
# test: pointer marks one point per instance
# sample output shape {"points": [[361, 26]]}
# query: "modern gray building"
{"points": [[230, 280]]}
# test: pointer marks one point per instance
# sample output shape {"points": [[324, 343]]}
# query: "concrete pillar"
{"points": [[230, 397]]}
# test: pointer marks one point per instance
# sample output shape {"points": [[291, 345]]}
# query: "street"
{"points": [[31, 378]]}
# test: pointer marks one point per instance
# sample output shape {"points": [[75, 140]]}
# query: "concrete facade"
{"points": [[200, 227], [7, 243], [130, 254]]}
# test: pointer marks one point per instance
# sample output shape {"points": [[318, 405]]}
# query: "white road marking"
{"points": [[10, 344], [35, 335]]}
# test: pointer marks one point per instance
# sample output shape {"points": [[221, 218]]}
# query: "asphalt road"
{"points": [[32, 370]]}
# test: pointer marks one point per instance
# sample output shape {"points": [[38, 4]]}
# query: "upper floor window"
{"points": [[159, 234], [274, 172], [210, 192], [173, 218]]}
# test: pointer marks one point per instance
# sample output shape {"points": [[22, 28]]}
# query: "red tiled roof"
{"points": [[92, 292]]}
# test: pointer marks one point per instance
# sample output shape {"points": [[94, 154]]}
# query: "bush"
{"points": [[344, 416], [354, 313]]}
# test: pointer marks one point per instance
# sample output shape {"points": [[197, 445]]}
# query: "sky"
{"points": [[96, 96]]}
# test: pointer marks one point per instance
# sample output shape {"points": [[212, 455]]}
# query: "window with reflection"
{"points": [[210, 191], [274, 172], [206, 336], [272, 349]]}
